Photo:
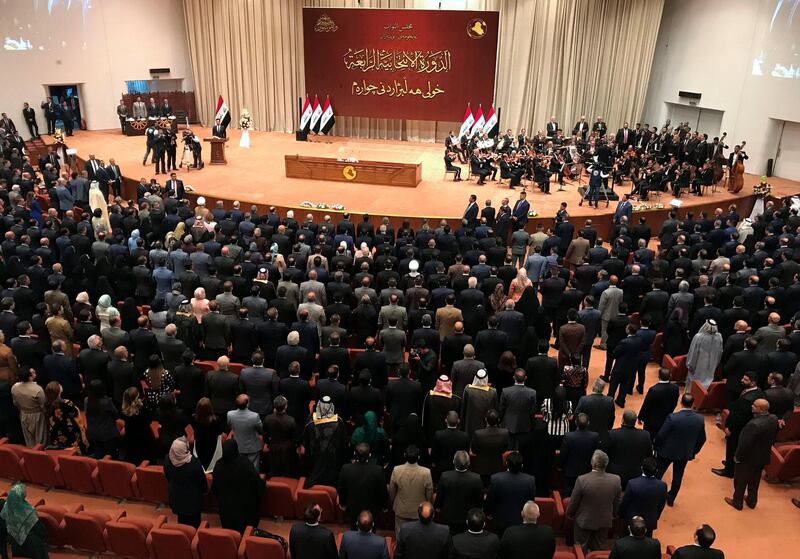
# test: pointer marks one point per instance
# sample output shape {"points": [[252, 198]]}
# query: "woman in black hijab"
{"points": [[528, 305], [238, 489]]}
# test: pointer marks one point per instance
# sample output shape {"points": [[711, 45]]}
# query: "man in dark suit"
{"points": [[741, 412], [122, 375], [488, 446], [470, 218], [222, 387], [704, 537], [363, 543], [529, 539], [458, 491], [679, 440], [62, 369], [624, 209], [645, 496], [519, 215], [516, 403], [599, 408], [753, 453], [576, 453], [298, 393], [403, 397], [638, 545], [627, 447], [423, 538], [659, 402], [508, 492], [476, 542], [626, 362], [175, 188], [594, 503], [143, 344], [92, 361], [361, 486], [218, 130], [309, 540], [446, 443]]}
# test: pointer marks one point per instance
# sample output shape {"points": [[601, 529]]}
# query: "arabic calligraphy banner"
{"points": [[409, 64]]}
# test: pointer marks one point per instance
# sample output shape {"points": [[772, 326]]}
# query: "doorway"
{"points": [[68, 94], [705, 121], [787, 159]]}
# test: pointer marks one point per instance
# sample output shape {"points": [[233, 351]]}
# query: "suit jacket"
{"points": [[488, 445], [595, 500], [507, 494], [456, 493], [697, 552], [517, 407], [216, 331], [422, 541], [222, 387], [644, 496], [626, 448], [576, 452], [312, 542], [601, 412], [528, 540], [218, 131], [520, 211], [172, 352], [446, 442], [409, 485], [362, 487], [659, 402], [246, 426], [403, 397], [630, 547], [475, 546], [755, 442], [682, 436], [471, 214], [360, 545]]}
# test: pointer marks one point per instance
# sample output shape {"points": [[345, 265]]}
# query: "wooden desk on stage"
{"points": [[368, 172]]}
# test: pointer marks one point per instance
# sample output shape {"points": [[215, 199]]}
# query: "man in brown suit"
{"points": [[410, 485], [447, 316], [8, 363], [594, 504], [570, 338], [577, 250]]}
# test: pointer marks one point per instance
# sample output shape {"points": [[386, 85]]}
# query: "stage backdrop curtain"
{"points": [[562, 57]]}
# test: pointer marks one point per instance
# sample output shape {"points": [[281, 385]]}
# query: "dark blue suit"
{"points": [[507, 494], [358, 545], [679, 440], [647, 336], [520, 213], [626, 361], [471, 214], [644, 496], [624, 208], [576, 456]]}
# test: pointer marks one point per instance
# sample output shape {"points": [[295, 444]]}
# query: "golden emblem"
{"points": [[139, 124], [476, 28], [325, 24], [163, 123], [349, 172]]}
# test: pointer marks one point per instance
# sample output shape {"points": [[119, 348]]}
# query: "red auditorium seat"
{"points": [[657, 349], [42, 467], [85, 529], [127, 537], [598, 555], [52, 516], [784, 464], [279, 498], [790, 431], [261, 548], [236, 368], [551, 511], [80, 473], [323, 495], [713, 399], [118, 479], [151, 483], [677, 368], [11, 463], [205, 366], [217, 543], [568, 552], [172, 541]]}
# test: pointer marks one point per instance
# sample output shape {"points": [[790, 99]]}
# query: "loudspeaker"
{"points": [[157, 71], [301, 135], [770, 166], [690, 95]]}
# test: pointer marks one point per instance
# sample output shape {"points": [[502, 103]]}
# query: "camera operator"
{"points": [[423, 361]]}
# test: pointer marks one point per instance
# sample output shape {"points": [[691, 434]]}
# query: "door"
{"points": [[683, 113], [787, 162], [709, 122]]}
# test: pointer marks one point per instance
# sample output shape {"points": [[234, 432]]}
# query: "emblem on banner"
{"points": [[349, 172], [325, 24], [476, 28]]}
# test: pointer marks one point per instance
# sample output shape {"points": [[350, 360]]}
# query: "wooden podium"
{"points": [[367, 172], [217, 150]]}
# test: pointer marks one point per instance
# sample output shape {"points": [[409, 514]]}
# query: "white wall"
{"points": [[708, 47], [98, 44]]}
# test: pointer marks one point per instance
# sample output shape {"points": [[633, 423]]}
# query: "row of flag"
{"points": [[317, 118], [478, 123]]}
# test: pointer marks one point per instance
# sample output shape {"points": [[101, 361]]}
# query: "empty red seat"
{"points": [[784, 464], [79, 473], [85, 529], [551, 511], [322, 495], [790, 431], [205, 366], [677, 368], [11, 464], [657, 348], [713, 399], [151, 483], [217, 543], [52, 516], [279, 498], [127, 537], [42, 468], [118, 479], [598, 555], [236, 368], [172, 541], [261, 548]]}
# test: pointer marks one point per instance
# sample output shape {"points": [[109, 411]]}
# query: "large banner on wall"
{"points": [[411, 64]]}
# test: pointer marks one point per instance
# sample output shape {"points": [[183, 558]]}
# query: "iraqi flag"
{"points": [[466, 125], [223, 114], [479, 122], [491, 127], [315, 116], [305, 115], [327, 120]]}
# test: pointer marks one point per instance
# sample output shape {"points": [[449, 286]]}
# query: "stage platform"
{"points": [[256, 176]]}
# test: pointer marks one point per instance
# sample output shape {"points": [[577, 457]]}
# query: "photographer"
{"points": [[423, 362]]}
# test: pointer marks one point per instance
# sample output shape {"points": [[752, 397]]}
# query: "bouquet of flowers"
{"points": [[58, 136], [533, 213], [244, 119]]}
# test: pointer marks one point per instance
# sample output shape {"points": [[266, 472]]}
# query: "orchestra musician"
{"points": [[477, 167], [736, 168], [449, 157], [599, 127], [581, 128], [552, 127], [704, 176], [452, 144], [683, 179]]}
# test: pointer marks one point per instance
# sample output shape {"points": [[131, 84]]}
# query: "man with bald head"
{"points": [[767, 336], [246, 427], [753, 453], [222, 387], [423, 538], [529, 539], [121, 375], [637, 545], [171, 348]]}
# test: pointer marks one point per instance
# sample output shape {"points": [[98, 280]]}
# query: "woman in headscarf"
{"points": [[99, 206], [704, 355], [518, 285], [64, 428], [497, 300], [105, 311], [138, 441], [374, 435], [129, 315], [325, 439], [676, 340], [199, 304], [20, 523], [409, 433], [437, 403], [238, 489], [478, 398], [82, 303], [528, 305], [133, 239], [186, 481]]}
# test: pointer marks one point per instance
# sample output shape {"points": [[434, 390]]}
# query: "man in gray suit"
{"points": [[682, 299], [463, 371], [599, 408], [65, 199], [393, 341], [228, 302], [609, 307], [246, 427], [313, 286], [393, 310], [594, 504], [517, 406], [139, 108]]}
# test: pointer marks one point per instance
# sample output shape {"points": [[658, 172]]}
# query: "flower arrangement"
{"points": [[533, 213], [244, 119], [58, 136], [321, 205]]}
